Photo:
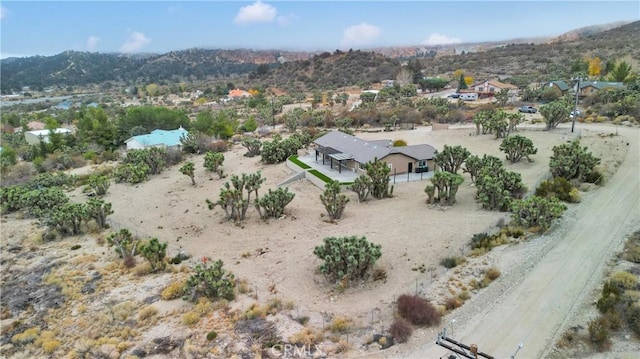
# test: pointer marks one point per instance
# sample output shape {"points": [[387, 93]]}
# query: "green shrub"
{"points": [[272, 204], [417, 310], [480, 240], [557, 187], [155, 253], [99, 184], [210, 280], [399, 143], [212, 335], [347, 257], [537, 211], [451, 262]]}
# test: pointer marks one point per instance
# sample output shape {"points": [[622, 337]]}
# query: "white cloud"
{"points": [[257, 12], [286, 20], [439, 39], [3, 12], [135, 42], [361, 34], [92, 42]]}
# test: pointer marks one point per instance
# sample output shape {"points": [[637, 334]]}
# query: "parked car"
{"points": [[528, 109], [469, 96]]}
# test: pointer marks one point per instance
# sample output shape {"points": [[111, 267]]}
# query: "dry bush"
{"points": [[218, 146], [492, 274], [174, 290], [400, 330], [599, 333], [464, 295], [624, 280], [305, 337], [340, 324], [190, 318], [417, 310], [147, 312], [452, 303]]}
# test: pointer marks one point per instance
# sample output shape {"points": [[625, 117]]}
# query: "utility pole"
{"points": [[273, 114], [575, 108]]}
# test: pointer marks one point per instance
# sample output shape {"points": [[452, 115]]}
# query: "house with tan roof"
{"points": [[237, 93]]}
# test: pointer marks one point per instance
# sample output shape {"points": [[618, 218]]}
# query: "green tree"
{"points": [[502, 96], [571, 161], [347, 258], [537, 211], [188, 169], [68, 218], [621, 72], [204, 123], [362, 187], [232, 196], [99, 210], [451, 158], [94, 127], [496, 187], [253, 146], [334, 202], [481, 120], [272, 204], [462, 84], [99, 184], [155, 253], [379, 173], [211, 281], [555, 112], [515, 119], [444, 188], [213, 162], [250, 124], [433, 84], [367, 97], [516, 147], [126, 245], [498, 123]]}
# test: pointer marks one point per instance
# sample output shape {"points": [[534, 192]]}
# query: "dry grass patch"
{"points": [[174, 290], [340, 324]]}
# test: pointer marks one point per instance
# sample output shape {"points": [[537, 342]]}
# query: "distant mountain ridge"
{"points": [[73, 68]]}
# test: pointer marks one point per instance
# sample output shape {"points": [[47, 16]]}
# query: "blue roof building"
{"points": [[157, 138]]}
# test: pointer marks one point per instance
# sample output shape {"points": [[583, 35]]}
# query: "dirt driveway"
{"points": [[535, 298]]}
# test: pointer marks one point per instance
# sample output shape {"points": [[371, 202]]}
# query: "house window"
{"points": [[422, 163], [361, 166], [481, 88], [492, 89]]}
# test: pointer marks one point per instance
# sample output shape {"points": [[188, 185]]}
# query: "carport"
{"points": [[333, 154]]}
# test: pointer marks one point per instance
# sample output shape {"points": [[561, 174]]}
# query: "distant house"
{"points": [[348, 152], [388, 83], [562, 86], [237, 94], [489, 88], [589, 87], [34, 137], [157, 138]]}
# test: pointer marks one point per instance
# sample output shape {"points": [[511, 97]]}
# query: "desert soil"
{"points": [[543, 280]]}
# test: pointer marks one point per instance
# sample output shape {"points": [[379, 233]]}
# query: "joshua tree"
{"points": [[517, 147], [378, 172], [213, 162], [272, 204], [188, 169], [451, 158], [446, 184], [333, 201]]}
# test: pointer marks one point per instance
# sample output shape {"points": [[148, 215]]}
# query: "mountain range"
{"points": [[73, 68]]}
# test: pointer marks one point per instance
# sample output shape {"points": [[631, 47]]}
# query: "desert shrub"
{"points": [[173, 157], [340, 324], [262, 332], [399, 143], [147, 312], [453, 303], [212, 335], [624, 280], [347, 257], [155, 253], [174, 290], [557, 187], [40, 202], [480, 240], [571, 161], [537, 211], [218, 146], [190, 318], [417, 310], [451, 261], [304, 337], [99, 184], [400, 330], [278, 150], [599, 333], [492, 274], [211, 281], [273, 203], [632, 248]]}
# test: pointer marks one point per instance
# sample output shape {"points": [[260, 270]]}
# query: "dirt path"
{"points": [[533, 301]]}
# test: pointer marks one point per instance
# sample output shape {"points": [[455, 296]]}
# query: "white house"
{"points": [[157, 138], [34, 137]]}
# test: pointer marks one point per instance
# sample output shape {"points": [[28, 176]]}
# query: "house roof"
{"points": [[563, 86], [341, 145], [238, 93], [495, 83], [38, 133], [600, 84], [168, 138]]}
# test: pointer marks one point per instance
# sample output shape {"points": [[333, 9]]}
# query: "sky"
{"points": [[50, 27]]}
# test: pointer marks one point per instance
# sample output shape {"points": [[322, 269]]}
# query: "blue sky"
{"points": [[50, 27]]}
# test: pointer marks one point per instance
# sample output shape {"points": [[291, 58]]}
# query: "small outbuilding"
{"points": [[157, 138], [34, 137]]}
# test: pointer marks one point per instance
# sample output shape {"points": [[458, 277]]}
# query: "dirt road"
{"points": [[533, 300]]}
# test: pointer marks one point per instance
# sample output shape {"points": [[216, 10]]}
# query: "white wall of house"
{"points": [[133, 144], [33, 137]]}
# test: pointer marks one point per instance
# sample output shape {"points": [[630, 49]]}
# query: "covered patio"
{"points": [[333, 154]]}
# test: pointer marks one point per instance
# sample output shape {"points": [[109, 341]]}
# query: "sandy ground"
{"points": [[411, 234], [276, 257]]}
